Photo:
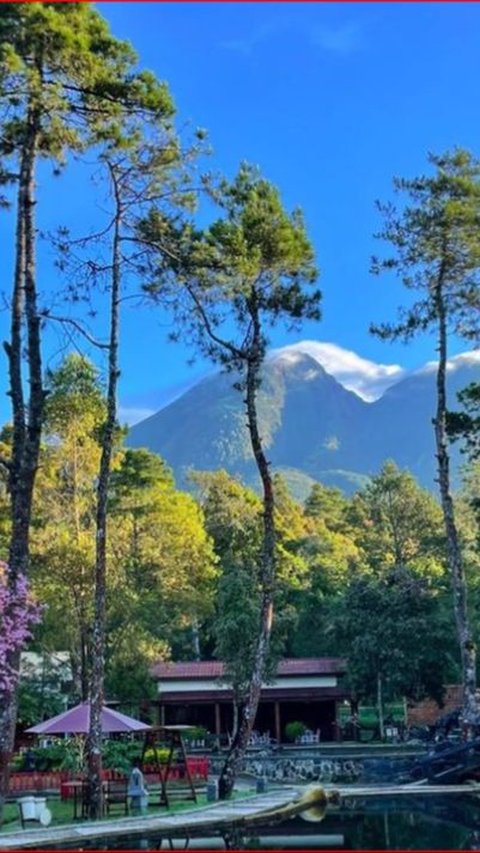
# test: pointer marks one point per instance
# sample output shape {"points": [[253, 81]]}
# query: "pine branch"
{"points": [[79, 328]]}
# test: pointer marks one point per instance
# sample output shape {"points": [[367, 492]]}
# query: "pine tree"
{"points": [[65, 83], [250, 269], [436, 238]]}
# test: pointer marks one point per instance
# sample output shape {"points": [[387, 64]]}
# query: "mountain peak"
{"points": [[297, 363], [365, 378], [313, 426]]}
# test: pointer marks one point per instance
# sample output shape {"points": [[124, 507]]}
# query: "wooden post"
{"points": [[218, 730], [161, 720], [278, 728]]}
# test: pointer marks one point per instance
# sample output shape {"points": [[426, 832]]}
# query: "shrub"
{"points": [[162, 755], [120, 754], [294, 730], [53, 757], [197, 733], [17, 762]]}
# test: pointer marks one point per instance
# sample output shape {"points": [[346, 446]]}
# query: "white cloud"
{"points": [[343, 39], [463, 358], [366, 378], [248, 43], [460, 360]]}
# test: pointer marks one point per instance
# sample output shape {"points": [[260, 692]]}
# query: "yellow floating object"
{"points": [[317, 799], [311, 805]]}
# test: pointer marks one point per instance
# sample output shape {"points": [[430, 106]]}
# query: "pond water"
{"points": [[406, 823]]}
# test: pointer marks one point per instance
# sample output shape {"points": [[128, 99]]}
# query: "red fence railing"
{"points": [[58, 779]]}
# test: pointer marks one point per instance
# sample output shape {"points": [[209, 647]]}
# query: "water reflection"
{"points": [[406, 823]]}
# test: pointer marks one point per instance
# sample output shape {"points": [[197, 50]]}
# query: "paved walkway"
{"points": [[206, 819], [188, 820]]}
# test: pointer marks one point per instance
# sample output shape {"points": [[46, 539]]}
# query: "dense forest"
{"points": [[104, 557], [363, 577]]}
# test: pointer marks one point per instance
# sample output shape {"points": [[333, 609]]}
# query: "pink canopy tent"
{"points": [[77, 721]]}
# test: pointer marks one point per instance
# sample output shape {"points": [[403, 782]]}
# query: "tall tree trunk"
{"points": [[26, 433], [196, 640], [381, 724], [267, 580], [84, 658], [98, 638], [235, 715], [454, 554], [16, 563]]}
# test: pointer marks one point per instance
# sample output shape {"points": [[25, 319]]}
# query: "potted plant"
{"points": [[294, 730]]}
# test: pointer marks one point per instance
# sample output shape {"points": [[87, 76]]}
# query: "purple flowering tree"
{"points": [[19, 612]]}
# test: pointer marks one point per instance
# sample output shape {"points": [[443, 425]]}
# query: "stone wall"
{"points": [[298, 769]]}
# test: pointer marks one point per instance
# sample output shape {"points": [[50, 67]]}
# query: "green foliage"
{"points": [[232, 518], [368, 714], [63, 534], [35, 703], [120, 754], [69, 754], [161, 567], [436, 244], [465, 425], [151, 755], [398, 523], [398, 592], [436, 232], [139, 474], [166, 569], [294, 730], [61, 63], [362, 577], [329, 503], [59, 756], [255, 260], [197, 733], [380, 624], [75, 397]]}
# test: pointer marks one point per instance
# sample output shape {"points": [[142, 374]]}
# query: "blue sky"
{"points": [[330, 100]]}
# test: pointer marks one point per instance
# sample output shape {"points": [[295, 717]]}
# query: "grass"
{"points": [[62, 811]]}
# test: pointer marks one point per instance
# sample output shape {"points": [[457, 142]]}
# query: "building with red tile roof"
{"points": [[303, 689]]}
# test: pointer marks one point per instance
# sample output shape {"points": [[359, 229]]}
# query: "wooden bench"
{"points": [[116, 794]]}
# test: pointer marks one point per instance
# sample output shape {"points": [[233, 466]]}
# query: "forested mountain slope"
{"points": [[314, 428]]}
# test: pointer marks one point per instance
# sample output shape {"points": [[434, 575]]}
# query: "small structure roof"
{"points": [[216, 669]]}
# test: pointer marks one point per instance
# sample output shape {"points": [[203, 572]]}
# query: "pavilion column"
{"points": [[278, 727], [217, 719], [161, 715]]}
